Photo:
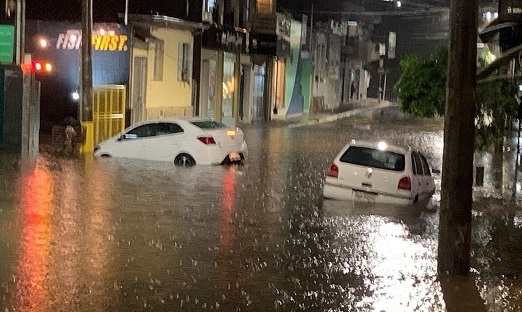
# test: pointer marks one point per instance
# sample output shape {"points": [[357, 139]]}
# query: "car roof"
{"points": [[375, 145]]}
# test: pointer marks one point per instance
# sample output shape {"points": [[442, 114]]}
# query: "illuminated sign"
{"points": [[6, 43], [72, 40]]}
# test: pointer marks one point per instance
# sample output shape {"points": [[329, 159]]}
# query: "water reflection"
{"points": [[37, 235], [121, 235]]}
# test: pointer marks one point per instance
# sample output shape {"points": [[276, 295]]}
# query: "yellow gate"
{"points": [[108, 111]]}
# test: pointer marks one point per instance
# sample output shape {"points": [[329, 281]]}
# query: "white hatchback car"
{"points": [[185, 142], [381, 173]]}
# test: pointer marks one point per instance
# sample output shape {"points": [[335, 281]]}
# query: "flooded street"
{"points": [[126, 235]]}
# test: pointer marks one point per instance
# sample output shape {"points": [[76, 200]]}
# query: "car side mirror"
{"points": [[121, 137], [436, 171]]}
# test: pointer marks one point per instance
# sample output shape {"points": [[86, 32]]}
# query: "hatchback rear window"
{"points": [[374, 158], [208, 124]]}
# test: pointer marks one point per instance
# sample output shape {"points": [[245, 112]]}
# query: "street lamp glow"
{"points": [[43, 43], [399, 4], [75, 95]]}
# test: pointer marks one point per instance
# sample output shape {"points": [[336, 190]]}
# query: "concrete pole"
{"points": [[459, 132], [85, 113]]}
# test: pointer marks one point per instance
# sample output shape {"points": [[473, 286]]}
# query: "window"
{"points": [[417, 164], [208, 124], [425, 166], [166, 128], [142, 131], [158, 60], [185, 62], [369, 157]]}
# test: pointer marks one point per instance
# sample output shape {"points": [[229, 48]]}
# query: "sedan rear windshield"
{"points": [[375, 158], [208, 124]]}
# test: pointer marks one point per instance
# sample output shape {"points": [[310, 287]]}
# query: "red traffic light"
{"points": [[43, 67], [38, 67]]}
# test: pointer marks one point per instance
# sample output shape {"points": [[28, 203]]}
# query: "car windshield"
{"points": [[374, 158], [208, 124]]}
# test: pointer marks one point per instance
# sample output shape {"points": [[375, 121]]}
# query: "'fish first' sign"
{"points": [[6, 43]]}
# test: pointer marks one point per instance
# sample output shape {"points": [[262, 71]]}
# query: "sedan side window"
{"points": [[165, 128], [425, 165], [142, 131], [417, 165]]}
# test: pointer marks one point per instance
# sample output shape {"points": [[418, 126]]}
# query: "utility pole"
{"points": [[85, 113], [459, 132], [312, 59]]}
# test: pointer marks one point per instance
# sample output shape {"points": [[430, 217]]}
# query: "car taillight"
{"points": [[207, 140], [405, 184], [333, 172]]}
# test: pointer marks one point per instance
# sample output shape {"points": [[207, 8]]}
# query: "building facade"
{"points": [[162, 84]]}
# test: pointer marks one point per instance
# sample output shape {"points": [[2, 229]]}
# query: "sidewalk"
{"points": [[366, 107]]}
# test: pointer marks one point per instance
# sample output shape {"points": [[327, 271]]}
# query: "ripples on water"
{"points": [[123, 235]]}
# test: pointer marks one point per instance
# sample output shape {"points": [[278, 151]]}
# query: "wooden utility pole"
{"points": [[459, 133], [85, 111]]}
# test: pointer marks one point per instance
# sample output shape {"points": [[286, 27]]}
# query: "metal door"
{"points": [[108, 111]]}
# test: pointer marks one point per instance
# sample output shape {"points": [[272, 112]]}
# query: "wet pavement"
{"points": [[120, 235]]}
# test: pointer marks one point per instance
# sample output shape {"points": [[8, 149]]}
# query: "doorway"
{"points": [[139, 90]]}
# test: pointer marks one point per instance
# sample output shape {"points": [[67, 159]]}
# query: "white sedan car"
{"points": [[378, 172], [185, 142]]}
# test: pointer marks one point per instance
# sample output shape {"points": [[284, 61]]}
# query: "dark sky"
{"points": [[103, 10]]}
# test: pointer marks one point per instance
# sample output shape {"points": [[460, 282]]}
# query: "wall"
{"points": [[169, 97], [294, 88]]}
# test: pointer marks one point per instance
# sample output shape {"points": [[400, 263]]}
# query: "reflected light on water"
{"points": [[33, 268], [397, 264]]}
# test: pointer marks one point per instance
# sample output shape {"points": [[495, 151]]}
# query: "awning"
{"points": [[488, 32], [162, 21]]}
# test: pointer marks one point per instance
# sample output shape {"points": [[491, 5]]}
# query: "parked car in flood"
{"points": [[379, 173], [185, 142]]}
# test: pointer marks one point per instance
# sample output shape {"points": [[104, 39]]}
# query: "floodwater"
{"points": [[122, 235]]}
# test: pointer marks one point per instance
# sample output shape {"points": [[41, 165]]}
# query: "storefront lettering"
{"points": [[73, 41]]}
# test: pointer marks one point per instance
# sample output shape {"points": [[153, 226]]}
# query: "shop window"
{"points": [[158, 60], [264, 6], [185, 62]]}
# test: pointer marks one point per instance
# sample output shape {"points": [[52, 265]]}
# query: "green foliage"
{"points": [[422, 91], [496, 102], [422, 84]]}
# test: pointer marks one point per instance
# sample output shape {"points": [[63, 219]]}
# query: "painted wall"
{"points": [[294, 99], [170, 92]]}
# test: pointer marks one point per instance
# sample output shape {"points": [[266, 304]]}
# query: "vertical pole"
{"points": [[20, 32], [86, 65], [517, 161], [85, 112], [459, 132], [312, 60], [126, 12]]}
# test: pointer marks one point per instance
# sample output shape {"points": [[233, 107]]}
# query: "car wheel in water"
{"points": [[184, 160]]}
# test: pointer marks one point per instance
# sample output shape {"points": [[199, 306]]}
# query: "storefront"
{"points": [[226, 70], [56, 47], [270, 49]]}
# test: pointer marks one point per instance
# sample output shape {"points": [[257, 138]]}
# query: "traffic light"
{"points": [[42, 67]]}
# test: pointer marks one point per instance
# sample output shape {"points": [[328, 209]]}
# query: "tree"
{"points": [[422, 91], [422, 84]]}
